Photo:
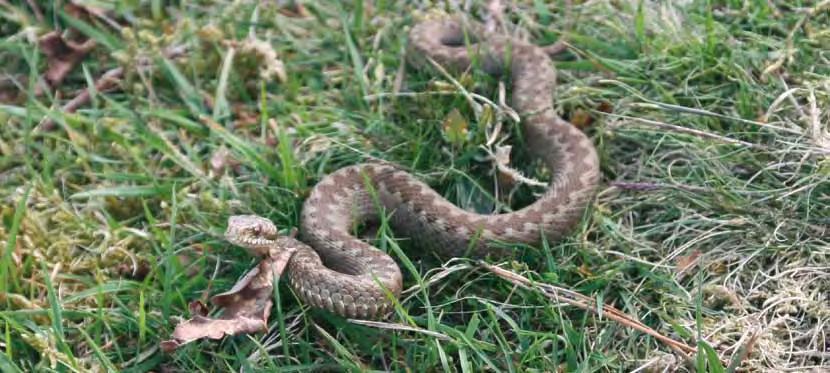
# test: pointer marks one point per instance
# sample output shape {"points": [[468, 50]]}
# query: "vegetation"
{"points": [[711, 226]]}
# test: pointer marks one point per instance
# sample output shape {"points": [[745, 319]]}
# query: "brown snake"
{"points": [[347, 276]]}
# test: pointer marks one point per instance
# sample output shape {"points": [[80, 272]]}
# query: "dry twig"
{"points": [[108, 81]]}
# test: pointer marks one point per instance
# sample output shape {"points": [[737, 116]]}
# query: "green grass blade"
{"points": [[221, 108], [6, 365], [345, 357], [186, 91], [8, 273], [101, 37], [357, 62], [56, 315]]}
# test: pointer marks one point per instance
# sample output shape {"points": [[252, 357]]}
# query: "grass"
{"points": [[709, 117]]}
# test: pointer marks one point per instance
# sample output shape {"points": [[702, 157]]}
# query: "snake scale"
{"points": [[346, 275]]}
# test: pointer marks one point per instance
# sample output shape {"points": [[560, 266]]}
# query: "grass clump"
{"points": [[710, 226]]}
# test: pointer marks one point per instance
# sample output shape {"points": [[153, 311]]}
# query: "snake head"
{"points": [[255, 233]]}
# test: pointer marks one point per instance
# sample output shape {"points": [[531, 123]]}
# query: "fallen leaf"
{"points": [[245, 117], [247, 307], [9, 93], [62, 55], [134, 271], [197, 308], [221, 160], [605, 107], [581, 119], [685, 262], [201, 327], [296, 10], [455, 128]]}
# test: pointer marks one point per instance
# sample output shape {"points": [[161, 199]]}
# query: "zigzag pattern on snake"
{"points": [[345, 275]]}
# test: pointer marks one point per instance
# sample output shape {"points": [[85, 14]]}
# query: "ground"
{"points": [[710, 226]]}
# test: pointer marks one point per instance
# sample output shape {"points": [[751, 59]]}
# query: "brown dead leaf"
{"points": [[62, 55], [64, 50], [197, 308], [221, 160], [247, 307], [9, 93], [581, 119], [134, 271], [201, 327], [295, 10], [685, 262], [245, 116], [605, 107]]}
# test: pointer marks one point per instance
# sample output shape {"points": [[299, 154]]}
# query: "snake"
{"points": [[332, 268]]}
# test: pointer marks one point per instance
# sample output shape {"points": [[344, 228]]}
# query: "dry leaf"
{"points": [[197, 308], [581, 119], [9, 93], [605, 107], [295, 10], [685, 262], [246, 306], [221, 160], [62, 55], [134, 271], [245, 117]]}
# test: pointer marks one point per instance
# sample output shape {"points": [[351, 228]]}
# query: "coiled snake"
{"points": [[350, 277]]}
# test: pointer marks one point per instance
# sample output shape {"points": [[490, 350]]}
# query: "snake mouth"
{"points": [[250, 241]]}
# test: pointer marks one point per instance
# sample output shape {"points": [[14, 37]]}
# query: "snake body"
{"points": [[347, 276]]}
